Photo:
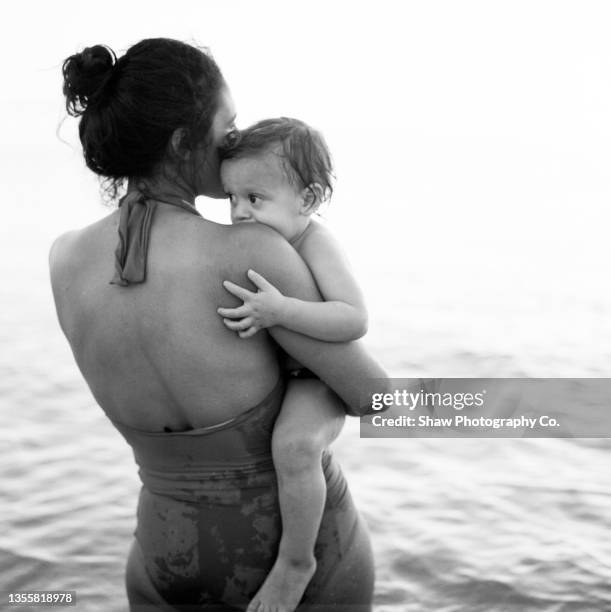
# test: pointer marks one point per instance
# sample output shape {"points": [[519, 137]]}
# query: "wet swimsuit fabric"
{"points": [[209, 522]]}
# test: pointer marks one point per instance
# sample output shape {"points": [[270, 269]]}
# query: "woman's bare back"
{"points": [[156, 354]]}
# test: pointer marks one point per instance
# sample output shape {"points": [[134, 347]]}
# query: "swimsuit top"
{"points": [[188, 463], [137, 211]]}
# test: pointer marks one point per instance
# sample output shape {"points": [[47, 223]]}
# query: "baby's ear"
{"points": [[177, 144], [313, 196]]}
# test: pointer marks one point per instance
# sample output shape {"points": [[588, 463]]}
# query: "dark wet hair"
{"points": [[130, 106], [304, 152]]}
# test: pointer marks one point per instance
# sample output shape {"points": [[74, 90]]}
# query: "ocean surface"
{"points": [[472, 148], [457, 525]]}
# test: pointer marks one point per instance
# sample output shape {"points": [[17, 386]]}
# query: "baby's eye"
{"points": [[253, 199], [231, 197]]}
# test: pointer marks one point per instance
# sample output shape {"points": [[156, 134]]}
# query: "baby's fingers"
{"points": [[234, 313], [241, 325], [248, 333], [261, 283], [238, 291]]}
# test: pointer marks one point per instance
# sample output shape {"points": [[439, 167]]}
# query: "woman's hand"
{"points": [[259, 310]]}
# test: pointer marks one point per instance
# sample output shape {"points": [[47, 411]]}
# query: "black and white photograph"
{"points": [[306, 307]]}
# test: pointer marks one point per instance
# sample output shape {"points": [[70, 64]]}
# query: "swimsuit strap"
{"points": [[137, 209]]}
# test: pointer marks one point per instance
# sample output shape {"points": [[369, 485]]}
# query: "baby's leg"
{"points": [[310, 419]]}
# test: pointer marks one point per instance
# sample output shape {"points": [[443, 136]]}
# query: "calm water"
{"points": [[473, 198], [490, 525]]}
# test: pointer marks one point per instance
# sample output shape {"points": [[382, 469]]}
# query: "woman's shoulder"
{"points": [[63, 250], [258, 244], [72, 246], [258, 247], [253, 234]]}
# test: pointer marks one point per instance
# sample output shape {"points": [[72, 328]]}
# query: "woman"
{"points": [[196, 403]]}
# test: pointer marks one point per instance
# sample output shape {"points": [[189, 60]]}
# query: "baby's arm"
{"points": [[343, 315], [340, 318]]}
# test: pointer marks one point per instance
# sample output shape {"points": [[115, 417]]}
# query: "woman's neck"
{"points": [[164, 187]]}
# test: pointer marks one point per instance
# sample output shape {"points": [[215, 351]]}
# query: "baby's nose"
{"points": [[240, 212]]}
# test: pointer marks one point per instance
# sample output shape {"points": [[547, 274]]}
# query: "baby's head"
{"points": [[277, 172]]}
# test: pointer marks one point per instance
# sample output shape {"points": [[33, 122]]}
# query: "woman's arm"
{"points": [[346, 367]]}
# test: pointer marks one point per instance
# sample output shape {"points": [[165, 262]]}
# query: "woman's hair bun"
{"points": [[86, 75]]}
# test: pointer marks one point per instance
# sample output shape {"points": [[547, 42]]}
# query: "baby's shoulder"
{"points": [[316, 235], [319, 245]]}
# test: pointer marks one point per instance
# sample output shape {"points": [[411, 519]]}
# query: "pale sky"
{"points": [[462, 131]]}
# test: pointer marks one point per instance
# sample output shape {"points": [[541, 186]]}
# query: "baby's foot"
{"points": [[283, 588]]}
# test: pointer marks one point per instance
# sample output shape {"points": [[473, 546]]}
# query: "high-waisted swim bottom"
{"points": [[209, 522]]}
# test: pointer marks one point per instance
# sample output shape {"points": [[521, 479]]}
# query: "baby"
{"points": [[278, 173]]}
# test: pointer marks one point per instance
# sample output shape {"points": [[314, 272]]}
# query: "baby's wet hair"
{"points": [[305, 156]]}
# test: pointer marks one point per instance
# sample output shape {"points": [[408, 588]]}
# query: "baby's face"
{"points": [[260, 191]]}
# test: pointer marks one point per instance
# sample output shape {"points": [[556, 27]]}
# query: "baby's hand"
{"points": [[259, 310]]}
